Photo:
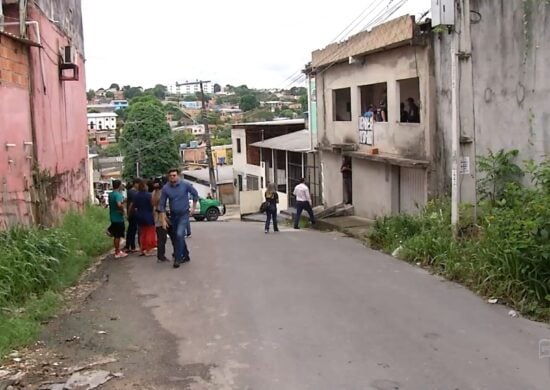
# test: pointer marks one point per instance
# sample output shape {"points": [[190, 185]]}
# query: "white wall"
{"points": [[239, 159], [107, 123], [250, 201]]}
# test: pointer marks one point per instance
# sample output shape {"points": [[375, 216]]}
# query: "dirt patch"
{"points": [[105, 327]]}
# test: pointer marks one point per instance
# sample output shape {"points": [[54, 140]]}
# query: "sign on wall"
{"points": [[366, 130]]}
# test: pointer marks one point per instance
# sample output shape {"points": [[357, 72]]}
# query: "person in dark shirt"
{"points": [[272, 198], [413, 112], [177, 191], [143, 209], [132, 225], [347, 179]]}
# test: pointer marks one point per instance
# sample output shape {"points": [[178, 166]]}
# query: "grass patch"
{"points": [[505, 255], [36, 264]]}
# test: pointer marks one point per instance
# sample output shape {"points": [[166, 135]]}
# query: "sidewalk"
{"points": [[353, 226]]}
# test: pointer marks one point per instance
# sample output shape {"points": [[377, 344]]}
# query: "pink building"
{"points": [[43, 126]]}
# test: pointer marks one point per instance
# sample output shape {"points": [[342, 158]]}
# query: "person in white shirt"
{"points": [[303, 202]]}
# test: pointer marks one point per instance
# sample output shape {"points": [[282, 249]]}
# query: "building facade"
{"points": [[44, 166], [102, 121], [360, 90]]}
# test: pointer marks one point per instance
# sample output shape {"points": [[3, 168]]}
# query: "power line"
{"points": [[342, 33]]}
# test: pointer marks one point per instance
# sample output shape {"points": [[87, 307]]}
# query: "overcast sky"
{"points": [[257, 43]]}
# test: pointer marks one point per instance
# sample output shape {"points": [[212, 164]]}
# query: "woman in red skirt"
{"points": [[143, 211]]}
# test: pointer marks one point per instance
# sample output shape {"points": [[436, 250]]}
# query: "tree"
{"points": [[147, 99], [122, 115], [297, 91], [287, 113], [115, 86], [183, 137], [109, 94], [159, 91], [303, 101], [90, 95], [110, 151], [148, 139], [259, 115], [217, 88], [248, 102], [132, 92]]}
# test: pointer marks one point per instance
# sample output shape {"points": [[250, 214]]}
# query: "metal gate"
{"points": [[412, 190]]}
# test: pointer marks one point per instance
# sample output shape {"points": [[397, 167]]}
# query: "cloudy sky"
{"points": [[258, 43]]}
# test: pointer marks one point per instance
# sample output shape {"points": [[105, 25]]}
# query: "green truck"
{"points": [[210, 209]]}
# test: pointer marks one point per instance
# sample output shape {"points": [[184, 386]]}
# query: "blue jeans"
{"points": [[301, 206], [271, 214], [179, 224], [188, 228], [131, 234]]}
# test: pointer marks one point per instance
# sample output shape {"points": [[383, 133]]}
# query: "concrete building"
{"points": [[224, 181], [44, 164], [192, 89], [502, 82], [391, 158], [119, 104], [252, 169], [102, 121]]}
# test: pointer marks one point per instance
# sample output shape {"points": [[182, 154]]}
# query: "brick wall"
{"points": [[14, 66]]}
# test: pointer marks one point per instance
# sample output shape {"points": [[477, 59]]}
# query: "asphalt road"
{"points": [[311, 310]]}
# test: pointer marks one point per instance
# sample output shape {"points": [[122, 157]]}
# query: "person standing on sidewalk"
{"points": [[272, 198], [177, 191], [116, 214], [143, 208], [347, 179], [303, 202], [162, 233], [132, 224]]}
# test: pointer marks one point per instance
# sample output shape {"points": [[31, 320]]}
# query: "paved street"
{"points": [[311, 310]]}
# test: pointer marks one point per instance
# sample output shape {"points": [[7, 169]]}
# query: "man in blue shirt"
{"points": [[177, 192]]}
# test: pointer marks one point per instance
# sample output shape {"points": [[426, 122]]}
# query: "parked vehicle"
{"points": [[210, 209]]}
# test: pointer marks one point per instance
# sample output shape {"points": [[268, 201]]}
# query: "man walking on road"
{"points": [[177, 192], [116, 213], [303, 202]]}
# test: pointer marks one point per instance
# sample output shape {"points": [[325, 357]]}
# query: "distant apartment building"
{"points": [[191, 105], [191, 89], [102, 121], [119, 104]]}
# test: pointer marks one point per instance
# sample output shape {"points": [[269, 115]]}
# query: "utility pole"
{"points": [[211, 173], [455, 129]]}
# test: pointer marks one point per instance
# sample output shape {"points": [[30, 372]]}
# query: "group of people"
{"points": [[409, 111], [303, 202], [155, 210]]}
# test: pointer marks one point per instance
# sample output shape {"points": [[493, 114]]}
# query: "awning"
{"points": [[298, 141]]}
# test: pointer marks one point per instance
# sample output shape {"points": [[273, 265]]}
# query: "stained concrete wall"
{"points": [[375, 186], [332, 184], [405, 139], [504, 87]]}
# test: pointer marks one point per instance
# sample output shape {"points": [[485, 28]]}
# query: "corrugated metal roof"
{"points": [[224, 174], [298, 141]]}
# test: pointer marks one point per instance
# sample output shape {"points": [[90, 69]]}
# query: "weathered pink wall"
{"points": [[15, 128], [59, 118]]}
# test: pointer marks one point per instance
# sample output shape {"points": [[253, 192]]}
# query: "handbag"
{"points": [[263, 207]]}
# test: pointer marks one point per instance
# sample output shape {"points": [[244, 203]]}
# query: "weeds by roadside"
{"points": [[35, 264], [506, 254]]}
